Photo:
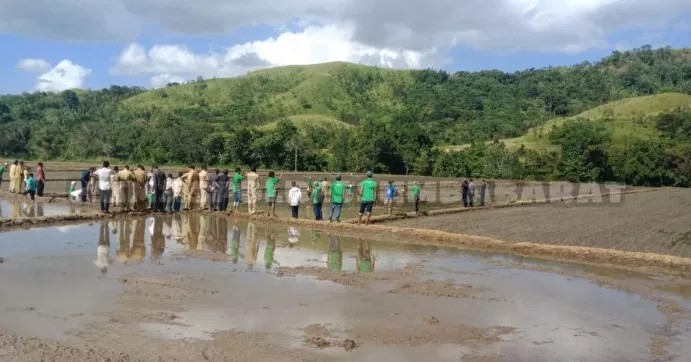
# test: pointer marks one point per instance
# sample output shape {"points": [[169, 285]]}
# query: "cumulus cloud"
{"points": [[33, 65], [65, 75], [314, 44]]}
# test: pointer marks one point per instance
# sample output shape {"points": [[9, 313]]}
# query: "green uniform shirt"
{"points": [[237, 178], [271, 186], [415, 191], [2, 170], [337, 189], [369, 190], [315, 192]]}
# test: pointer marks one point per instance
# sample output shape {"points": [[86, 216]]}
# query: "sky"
{"points": [[53, 45]]}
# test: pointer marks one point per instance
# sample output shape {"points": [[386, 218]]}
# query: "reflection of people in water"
{"points": [[235, 245], [103, 259], [270, 249], [364, 261], [252, 246], [176, 228], [190, 231], [334, 257], [158, 242], [219, 234], [15, 210], [138, 250], [39, 210], [204, 232], [28, 209], [123, 253], [293, 236]]}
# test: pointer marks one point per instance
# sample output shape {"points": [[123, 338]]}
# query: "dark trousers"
{"points": [[317, 208], [84, 191], [31, 194], [471, 196], [465, 199], [39, 188], [104, 197], [176, 203], [294, 210], [416, 206], [224, 205], [158, 201]]}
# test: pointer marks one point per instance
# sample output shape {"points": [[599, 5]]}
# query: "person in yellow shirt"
{"points": [[13, 176], [252, 189], [125, 178], [139, 187], [203, 189], [191, 190]]}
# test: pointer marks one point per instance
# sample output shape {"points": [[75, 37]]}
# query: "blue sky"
{"points": [[61, 44]]}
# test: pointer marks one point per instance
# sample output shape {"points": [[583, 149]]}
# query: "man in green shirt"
{"points": [[271, 192], [237, 189], [317, 200], [2, 170], [415, 194], [368, 196], [337, 192]]}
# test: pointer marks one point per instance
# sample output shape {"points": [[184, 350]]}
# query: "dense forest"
{"points": [[345, 117]]}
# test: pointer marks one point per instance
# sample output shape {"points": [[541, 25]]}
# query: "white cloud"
{"points": [[65, 75], [33, 65], [315, 44]]}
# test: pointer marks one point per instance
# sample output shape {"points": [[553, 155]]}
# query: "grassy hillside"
{"points": [[626, 120]]}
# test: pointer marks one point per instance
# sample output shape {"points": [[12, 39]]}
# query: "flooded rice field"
{"points": [[191, 287], [20, 209]]}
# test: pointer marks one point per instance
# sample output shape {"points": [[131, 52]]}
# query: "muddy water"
{"points": [[19, 209], [179, 280]]}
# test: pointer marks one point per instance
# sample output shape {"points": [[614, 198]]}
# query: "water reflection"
{"points": [[22, 209], [166, 235]]}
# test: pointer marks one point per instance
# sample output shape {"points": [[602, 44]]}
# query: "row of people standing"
{"points": [[23, 180], [469, 192]]}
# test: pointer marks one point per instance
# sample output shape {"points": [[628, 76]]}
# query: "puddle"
{"points": [[63, 278], [20, 209]]}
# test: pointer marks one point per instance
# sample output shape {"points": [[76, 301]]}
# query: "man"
{"points": [[471, 192], [252, 187], [125, 178], [105, 186], [326, 188], [390, 195], [218, 187], [368, 196], [483, 190], [317, 200], [13, 177], [294, 198], [191, 190], [40, 179], [159, 178], [31, 187], [203, 188], [139, 188], [178, 191], [116, 200], [2, 171], [337, 192], [415, 194], [86, 176], [237, 189], [464, 192], [271, 194], [25, 174], [168, 193], [223, 187]]}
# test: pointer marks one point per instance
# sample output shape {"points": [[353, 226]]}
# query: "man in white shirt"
{"points": [[177, 192], [294, 197], [105, 186]]}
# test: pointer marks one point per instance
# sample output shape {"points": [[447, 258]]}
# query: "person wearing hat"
{"points": [[2, 170], [368, 196], [337, 193]]}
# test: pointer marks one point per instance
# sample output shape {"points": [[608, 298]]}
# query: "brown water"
{"points": [[58, 281]]}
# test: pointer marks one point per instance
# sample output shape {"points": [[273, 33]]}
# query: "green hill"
{"points": [[626, 120]]}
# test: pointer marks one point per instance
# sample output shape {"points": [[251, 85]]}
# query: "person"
{"points": [[390, 194], [220, 193], [25, 173], [139, 188], [191, 189], [368, 195], [178, 187], [74, 194], [213, 189], [31, 184], [337, 191], [237, 189], [483, 190], [116, 200], [471, 192], [317, 200], [168, 193], [271, 182], [204, 188], [252, 186], [415, 194], [326, 188], [92, 184], [2, 171], [40, 179], [294, 198], [13, 176], [86, 176], [105, 186], [125, 178], [464, 192], [159, 178], [225, 195]]}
